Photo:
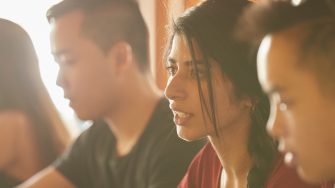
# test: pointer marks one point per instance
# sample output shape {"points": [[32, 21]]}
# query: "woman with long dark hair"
{"points": [[32, 134], [214, 92]]}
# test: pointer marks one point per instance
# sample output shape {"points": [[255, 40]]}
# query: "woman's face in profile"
{"points": [[191, 116]]}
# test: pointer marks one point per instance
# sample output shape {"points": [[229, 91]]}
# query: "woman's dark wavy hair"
{"points": [[211, 25], [21, 89]]}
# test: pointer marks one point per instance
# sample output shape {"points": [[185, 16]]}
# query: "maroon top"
{"points": [[205, 171]]}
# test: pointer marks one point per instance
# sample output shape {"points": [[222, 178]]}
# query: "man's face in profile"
{"points": [[301, 118], [86, 73]]}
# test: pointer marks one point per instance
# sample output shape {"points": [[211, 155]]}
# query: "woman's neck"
{"points": [[232, 149]]}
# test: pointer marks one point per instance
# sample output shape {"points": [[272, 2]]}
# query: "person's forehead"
{"points": [[179, 48], [284, 51], [66, 30], [69, 21], [276, 61]]}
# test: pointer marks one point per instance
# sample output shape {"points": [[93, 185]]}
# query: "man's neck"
{"points": [[132, 117]]}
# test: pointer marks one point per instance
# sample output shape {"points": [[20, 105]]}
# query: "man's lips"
{"points": [[289, 156]]}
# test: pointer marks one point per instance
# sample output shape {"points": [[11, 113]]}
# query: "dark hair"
{"points": [[22, 89], [312, 23], [109, 21], [211, 25]]}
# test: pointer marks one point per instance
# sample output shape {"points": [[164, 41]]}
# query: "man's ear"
{"points": [[121, 56]]}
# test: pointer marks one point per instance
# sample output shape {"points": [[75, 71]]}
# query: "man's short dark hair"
{"points": [[312, 26], [271, 16], [109, 21]]}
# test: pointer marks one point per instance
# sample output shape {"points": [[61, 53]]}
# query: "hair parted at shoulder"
{"points": [[22, 90], [109, 21]]}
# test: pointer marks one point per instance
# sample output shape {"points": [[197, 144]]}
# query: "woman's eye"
{"points": [[171, 70]]}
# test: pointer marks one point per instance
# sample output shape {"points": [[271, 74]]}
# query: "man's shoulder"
{"points": [[284, 176], [97, 131]]}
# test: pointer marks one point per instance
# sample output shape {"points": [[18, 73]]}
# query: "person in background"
{"points": [[214, 92], [32, 134], [101, 48], [296, 68]]}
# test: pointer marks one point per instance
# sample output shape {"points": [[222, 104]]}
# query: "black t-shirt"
{"points": [[8, 181], [158, 160]]}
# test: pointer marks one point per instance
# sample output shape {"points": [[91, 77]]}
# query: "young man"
{"points": [[101, 49], [296, 68]]}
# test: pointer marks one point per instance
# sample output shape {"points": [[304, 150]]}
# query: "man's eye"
{"points": [[283, 106], [66, 59], [70, 62]]}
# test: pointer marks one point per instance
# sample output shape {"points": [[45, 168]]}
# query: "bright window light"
{"points": [[31, 15]]}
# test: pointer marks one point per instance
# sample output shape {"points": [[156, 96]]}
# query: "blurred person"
{"points": [[296, 69], [214, 92], [101, 48], [32, 133]]}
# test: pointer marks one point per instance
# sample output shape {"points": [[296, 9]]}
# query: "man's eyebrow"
{"points": [[58, 53], [275, 89]]}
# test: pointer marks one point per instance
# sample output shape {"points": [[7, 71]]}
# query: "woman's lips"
{"points": [[180, 118]]}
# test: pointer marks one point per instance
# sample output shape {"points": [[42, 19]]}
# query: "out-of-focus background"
{"points": [[31, 16]]}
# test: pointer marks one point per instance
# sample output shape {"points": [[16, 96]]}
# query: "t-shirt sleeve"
{"points": [[170, 165], [72, 163]]}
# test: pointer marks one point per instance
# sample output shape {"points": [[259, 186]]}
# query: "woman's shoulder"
{"points": [[13, 118], [206, 162], [207, 155], [204, 171], [12, 124]]}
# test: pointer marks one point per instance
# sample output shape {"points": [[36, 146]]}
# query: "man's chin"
{"points": [[85, 116], [311, 176]]}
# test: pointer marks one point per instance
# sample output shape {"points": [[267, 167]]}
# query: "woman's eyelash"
{"points": [[171, 70]]}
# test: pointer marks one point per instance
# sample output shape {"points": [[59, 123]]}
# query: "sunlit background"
{"points": [[31, 16]]}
